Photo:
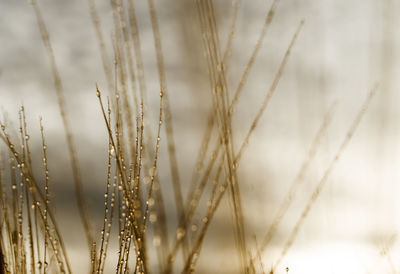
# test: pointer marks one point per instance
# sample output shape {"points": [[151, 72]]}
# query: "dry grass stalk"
{"points": [[30, 240], [70, 140], [324, 179]]}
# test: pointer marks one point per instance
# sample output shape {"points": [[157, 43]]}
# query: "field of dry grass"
{"points": [[171, 187]]}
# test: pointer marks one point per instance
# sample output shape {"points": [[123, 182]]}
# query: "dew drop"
{"points": [[153, 217], [156, 240], [112, 151], [180, 232]]}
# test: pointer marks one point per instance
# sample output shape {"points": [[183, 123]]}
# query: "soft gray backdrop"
{"points": [[344, 48]]}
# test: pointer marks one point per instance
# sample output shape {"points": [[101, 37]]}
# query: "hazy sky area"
{"points": [[345, 48]]}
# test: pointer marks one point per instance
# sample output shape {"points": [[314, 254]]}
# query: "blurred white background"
{"points": [[344, 48]]}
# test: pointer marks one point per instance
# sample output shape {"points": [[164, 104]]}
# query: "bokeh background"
{"points": [[343, 50]]}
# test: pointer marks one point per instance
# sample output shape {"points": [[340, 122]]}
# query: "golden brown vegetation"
{"points": [[134, 211]]}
